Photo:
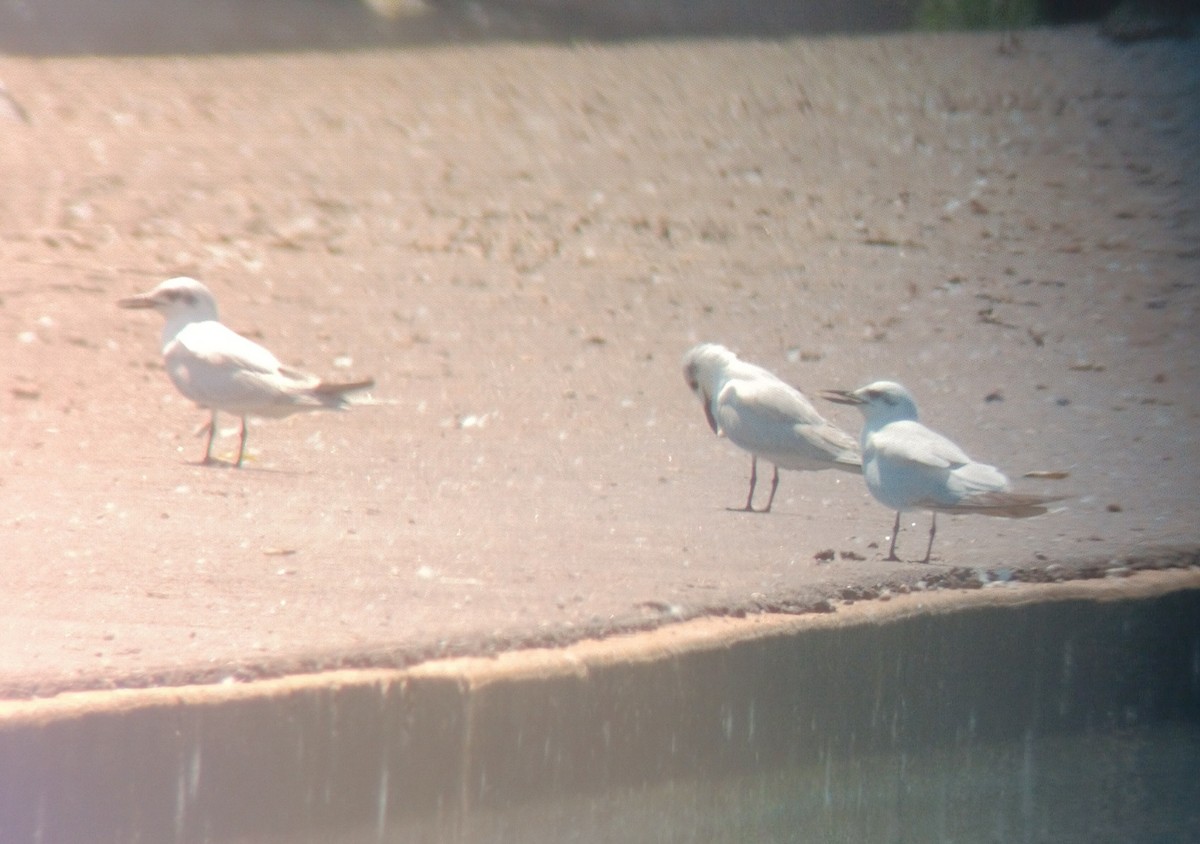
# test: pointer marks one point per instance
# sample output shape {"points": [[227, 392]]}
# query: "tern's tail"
{"points": [[1010, 505], [333, 394]]}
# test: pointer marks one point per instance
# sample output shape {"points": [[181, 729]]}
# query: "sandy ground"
{"points": [[518, 240]]}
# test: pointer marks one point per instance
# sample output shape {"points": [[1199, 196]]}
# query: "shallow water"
{"points": [[1132, 786], [1057, 721]]}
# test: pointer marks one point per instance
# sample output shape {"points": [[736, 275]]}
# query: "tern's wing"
{"points": [[1009, 505], [219, 369], [215, 345], [913, 446], [908, 442], [769, 418]]}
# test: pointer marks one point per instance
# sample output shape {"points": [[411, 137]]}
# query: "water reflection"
{"points": [[1060, 721], [1131, 786]]}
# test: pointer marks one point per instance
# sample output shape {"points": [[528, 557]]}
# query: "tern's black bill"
{"points": [[841, 397]]}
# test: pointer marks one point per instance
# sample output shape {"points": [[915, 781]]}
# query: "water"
{"points": [[1059, 721], [1133, 786]]}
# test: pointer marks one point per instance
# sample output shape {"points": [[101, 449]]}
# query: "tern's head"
{"points": [[704, 368], [177, 298], [880, 402]]}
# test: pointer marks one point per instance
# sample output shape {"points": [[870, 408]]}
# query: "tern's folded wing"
{"points": [[911, 442], [1009, 505], [212, 344], [768, 403], [219, 369], [776, 421]]}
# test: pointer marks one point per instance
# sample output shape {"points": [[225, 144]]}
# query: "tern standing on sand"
{"points": [[765, 416], [219, 369], [909, 467]]}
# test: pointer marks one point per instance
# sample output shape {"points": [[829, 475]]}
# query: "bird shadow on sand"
{"points": [[218, 464]]}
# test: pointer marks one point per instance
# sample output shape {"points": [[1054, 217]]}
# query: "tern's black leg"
{"points": [[241, 444], [749, 508], [891, 557], [932, 532], [212, 432], [774, 486]]}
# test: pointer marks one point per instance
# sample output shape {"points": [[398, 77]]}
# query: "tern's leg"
{"points": [[932, 532], [241, 444], [891, 557], [774, 486], [749, 508], [212, 432]]}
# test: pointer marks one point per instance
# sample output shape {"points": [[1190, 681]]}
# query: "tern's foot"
{"points": [[747, 509]]}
